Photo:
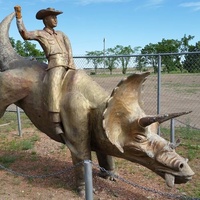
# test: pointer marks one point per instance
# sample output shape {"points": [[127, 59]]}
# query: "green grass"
{"points": [[10, 118], [25, 144], [33, 156], [186, 134], [190, 140], [7, 160]]}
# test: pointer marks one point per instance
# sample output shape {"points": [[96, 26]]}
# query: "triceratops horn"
{"points": [[146, 121]]}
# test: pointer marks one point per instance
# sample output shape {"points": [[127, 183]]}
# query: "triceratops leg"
{"points": [[107, 163], [74, 114]]}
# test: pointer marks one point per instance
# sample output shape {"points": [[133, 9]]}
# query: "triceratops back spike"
{"points": [[146, 121]]}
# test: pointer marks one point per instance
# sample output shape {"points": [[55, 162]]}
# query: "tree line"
{"points": [[27, 49], [148, 56], [120, 56]]}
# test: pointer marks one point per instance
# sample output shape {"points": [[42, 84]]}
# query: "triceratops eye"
{"points": [[140, 138]]}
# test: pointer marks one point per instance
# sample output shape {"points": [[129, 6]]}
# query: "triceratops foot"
{"points": [[81, 191], [107, 175]]}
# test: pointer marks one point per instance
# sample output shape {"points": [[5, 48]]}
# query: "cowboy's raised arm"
{"points": [[20, 25]]}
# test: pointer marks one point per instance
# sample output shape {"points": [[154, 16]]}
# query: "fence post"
{"points": [[19, 121], [88, 180], [159, 87], [172, 131]]}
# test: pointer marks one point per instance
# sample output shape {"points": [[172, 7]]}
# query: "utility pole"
{"points": [[104, 53]]}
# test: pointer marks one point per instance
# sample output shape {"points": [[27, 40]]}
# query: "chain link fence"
{"points": [[91, 169], [172, 86]]}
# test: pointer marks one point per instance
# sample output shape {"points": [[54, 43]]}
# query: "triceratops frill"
{"points": [[93, 120]]}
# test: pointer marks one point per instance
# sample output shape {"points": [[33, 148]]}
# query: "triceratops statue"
{"points": [[93, 120]]}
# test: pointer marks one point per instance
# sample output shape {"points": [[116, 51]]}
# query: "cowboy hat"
{"points": [[41, 14]]}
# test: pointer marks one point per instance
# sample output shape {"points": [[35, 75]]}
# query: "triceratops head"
{"points": [[135, 135]]}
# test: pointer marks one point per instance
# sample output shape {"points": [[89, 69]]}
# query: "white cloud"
{"points": [[194, 5], [83, 2], [149, 4], [51, 1], [86, 2], [154, 3]]}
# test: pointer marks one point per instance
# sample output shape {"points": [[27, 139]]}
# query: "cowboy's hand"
{"points": [[18, 12]]}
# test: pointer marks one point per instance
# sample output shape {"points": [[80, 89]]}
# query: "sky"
{"points": [[120, 22]]}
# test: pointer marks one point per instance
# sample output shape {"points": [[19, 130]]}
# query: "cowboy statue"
{"points": [[57, 48]]}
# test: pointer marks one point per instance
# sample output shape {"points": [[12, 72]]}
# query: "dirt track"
{"points": [[178, 93]]}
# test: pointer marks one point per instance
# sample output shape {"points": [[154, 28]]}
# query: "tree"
{"points": [[192, 61], [169, 46], [124, 60], [151, 60], [111, 59], [12, 41], [141, 63], [185, 43], [169, 62], [27, 49], [95, 57]]}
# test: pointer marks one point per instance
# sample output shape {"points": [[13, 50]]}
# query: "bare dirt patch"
{"points": [[49, 157]]}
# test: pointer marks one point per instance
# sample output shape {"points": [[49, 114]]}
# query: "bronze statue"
{"points": [[57, 48], [111, 125]]}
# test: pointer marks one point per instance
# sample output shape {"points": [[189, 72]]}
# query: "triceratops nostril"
{"points": [[181, 166], [178, 165]]}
